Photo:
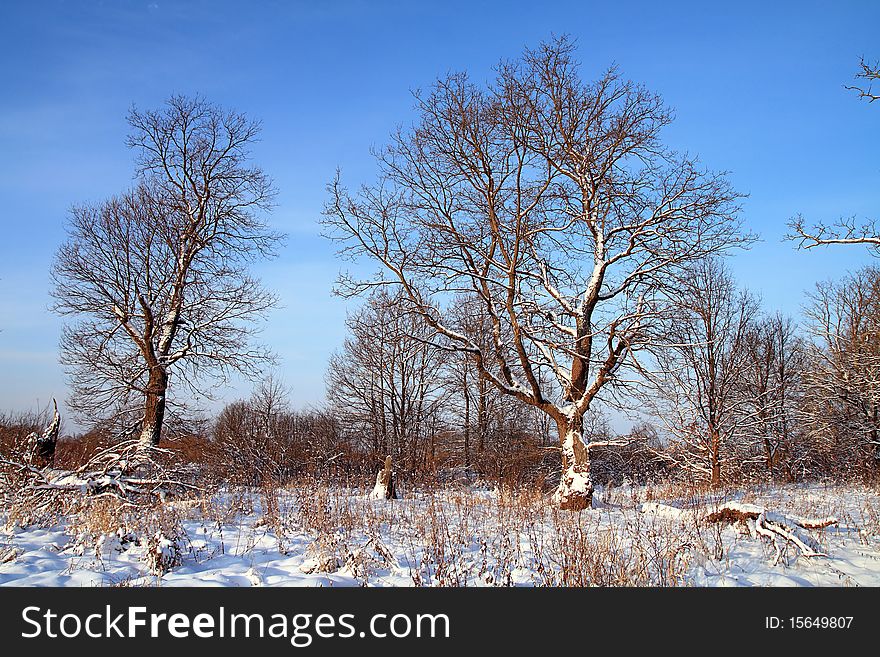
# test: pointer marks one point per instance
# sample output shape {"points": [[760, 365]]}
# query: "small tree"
{"points": [[555, 203], [156, 279], [490, 421], [257, 439]]}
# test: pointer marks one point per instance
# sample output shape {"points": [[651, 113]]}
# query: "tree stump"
{"points": [[41, 447], [384, 488]]}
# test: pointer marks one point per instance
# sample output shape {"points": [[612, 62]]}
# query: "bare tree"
{"points": [[386, 383], [555, 203], [478, 400], [156, 279], [772, 390], [258, 437], [704, 365], [269, 401], [846, 230]]}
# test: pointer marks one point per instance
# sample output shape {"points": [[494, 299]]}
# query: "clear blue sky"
{"points": [[757, 88]]}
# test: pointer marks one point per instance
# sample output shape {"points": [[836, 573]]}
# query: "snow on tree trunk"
{"points": [[384, 488], [154, 408], [42, 447], [575, 490]]}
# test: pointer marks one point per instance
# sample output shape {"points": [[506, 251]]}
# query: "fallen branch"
{"points": [[126, 471], [769, 524]]}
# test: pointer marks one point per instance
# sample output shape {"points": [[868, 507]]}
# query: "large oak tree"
{"points": [[554, 202], [155, 281]]}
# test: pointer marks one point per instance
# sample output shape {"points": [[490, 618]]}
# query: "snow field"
{"points": [[336, 536]]}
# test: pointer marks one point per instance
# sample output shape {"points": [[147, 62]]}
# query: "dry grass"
{"points": [[102, 525], [459, 537]]}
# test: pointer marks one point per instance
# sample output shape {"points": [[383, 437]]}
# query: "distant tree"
{"points": [[255, 437], [772, 391], [641, 459], [556, 204], [386, 384], [704, 366], [478, 402], [843, 381], [155, 281], [489, 421]]}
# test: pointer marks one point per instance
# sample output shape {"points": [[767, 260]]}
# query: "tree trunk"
{"points": [[874, 440], [482, 414], [467, 421], [154, 407], [575, 490], [768, 450], [715, 458]]}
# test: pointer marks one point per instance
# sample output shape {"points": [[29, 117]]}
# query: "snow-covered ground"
{"points": [[452, 537]]}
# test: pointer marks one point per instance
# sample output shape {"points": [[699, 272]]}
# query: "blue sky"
{"points": [[757, 89]]}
